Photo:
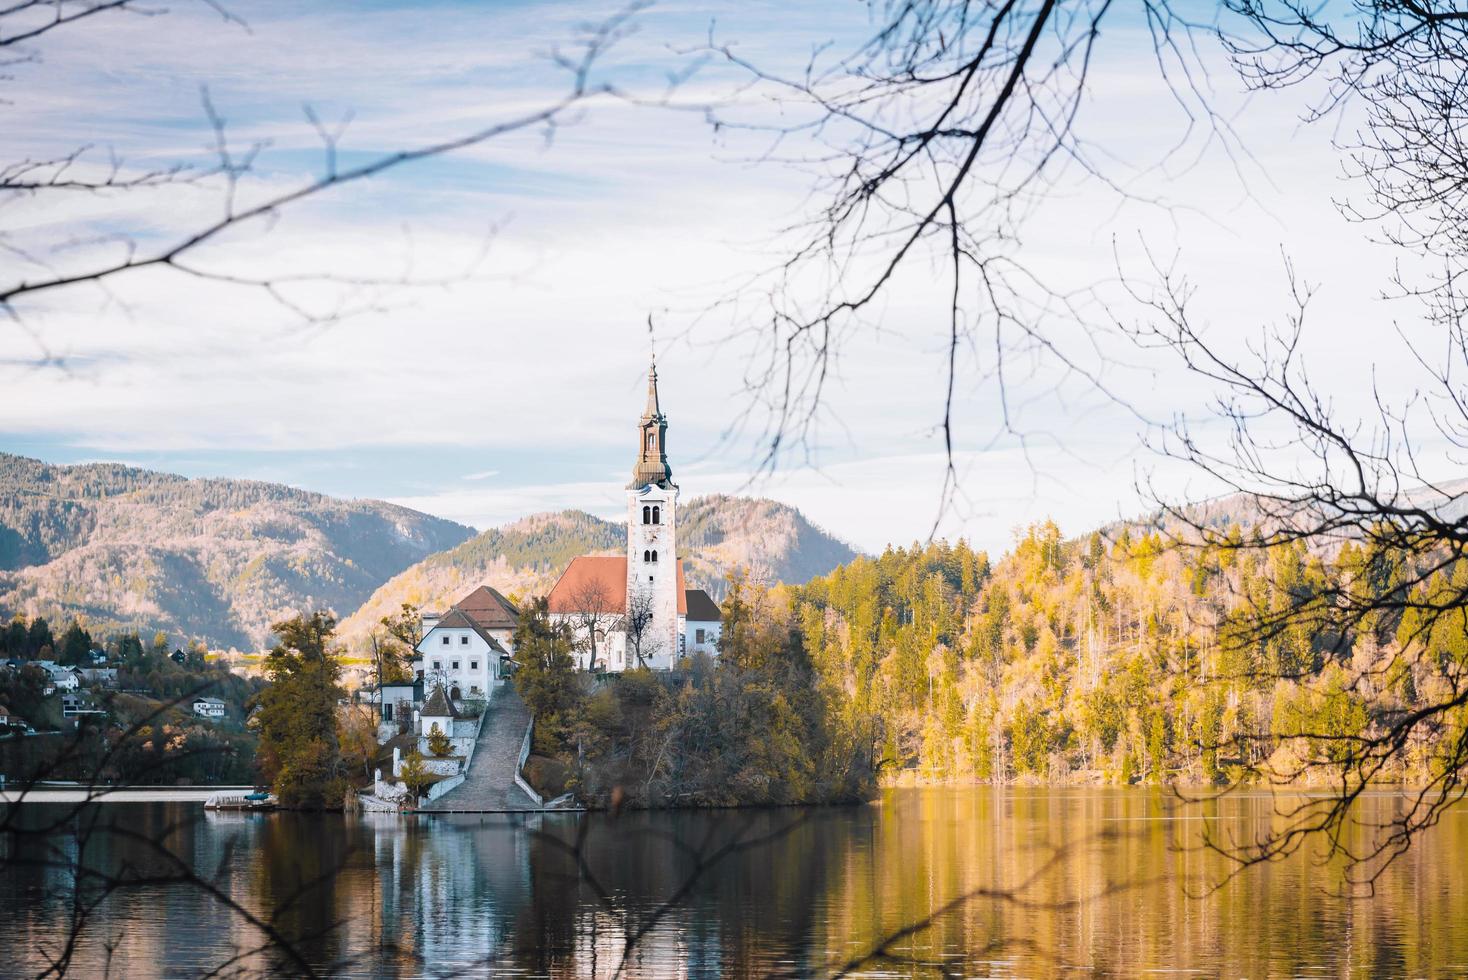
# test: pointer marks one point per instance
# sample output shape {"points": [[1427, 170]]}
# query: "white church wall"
{"points": [[652, 568]]}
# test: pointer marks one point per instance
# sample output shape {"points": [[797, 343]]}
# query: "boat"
{"points": [[258, 800]]}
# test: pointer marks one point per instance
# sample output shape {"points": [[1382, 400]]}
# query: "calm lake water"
{"points": [[1098, 883]]}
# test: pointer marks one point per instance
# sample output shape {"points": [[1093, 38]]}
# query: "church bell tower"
{"points": [[652, 558]]}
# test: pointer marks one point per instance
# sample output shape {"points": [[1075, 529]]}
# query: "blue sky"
{"points": [[517, 390]]}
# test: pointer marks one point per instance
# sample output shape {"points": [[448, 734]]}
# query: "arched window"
{"points": [[647, 515], [654, 556], [647, 556], [657, 515], [650, 440]]}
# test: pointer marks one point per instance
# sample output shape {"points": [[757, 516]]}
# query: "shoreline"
{"points": [[121, 794]]}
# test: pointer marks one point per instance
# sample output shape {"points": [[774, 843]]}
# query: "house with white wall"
{"points": [[63, 678], [467, 650], [211, 708], [702, 624]]}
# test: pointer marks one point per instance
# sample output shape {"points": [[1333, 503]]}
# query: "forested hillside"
{"points": [[771, 542], [521, 558], [1115, 660], [217, 560], [716, 535]]}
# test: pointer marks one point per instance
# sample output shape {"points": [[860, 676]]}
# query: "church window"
{"points": [[651, 442], [657, 515], [647, 556], [654, 556], [647, 515]]}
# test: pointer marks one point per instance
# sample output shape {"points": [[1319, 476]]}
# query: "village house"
{"points": [[636, 609], [62, 678], [395, 702], [73, 705], [211, 708], [467, 650], [104, 676]]}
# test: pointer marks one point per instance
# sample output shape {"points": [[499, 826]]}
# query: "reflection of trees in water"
{"points": [[301, 862], [1021, 880], [1117, 882], [653, 871]]}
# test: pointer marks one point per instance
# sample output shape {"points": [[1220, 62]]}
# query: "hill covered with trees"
{"points": [[1119, 658], [213, 559]]}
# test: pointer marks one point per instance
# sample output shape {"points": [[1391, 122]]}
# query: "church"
{"points": [[636, 610]]}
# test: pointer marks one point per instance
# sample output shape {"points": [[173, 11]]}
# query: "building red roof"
{"points": [[601, 579], [456, 619], [489, 608]]}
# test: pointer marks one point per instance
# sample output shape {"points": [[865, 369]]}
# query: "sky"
{"points": [[504, 375]]}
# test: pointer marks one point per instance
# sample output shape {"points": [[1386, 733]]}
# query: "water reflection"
{"points": [[1026, 882]]}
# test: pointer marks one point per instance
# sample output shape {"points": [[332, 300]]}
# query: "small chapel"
{"points": [[635, 610]]}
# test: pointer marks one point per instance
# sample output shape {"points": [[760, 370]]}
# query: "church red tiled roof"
{"points": [[603, 579]]}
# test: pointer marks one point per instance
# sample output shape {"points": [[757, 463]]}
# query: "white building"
{"points": [[211, 708], [633, 610], [703, 624], [466, 650], [62, 678]]}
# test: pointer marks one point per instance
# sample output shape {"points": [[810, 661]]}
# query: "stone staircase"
{"points": [[489, 785]]}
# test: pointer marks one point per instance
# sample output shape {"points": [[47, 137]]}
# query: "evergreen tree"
{"points": [[545, 671], [76, 644]]}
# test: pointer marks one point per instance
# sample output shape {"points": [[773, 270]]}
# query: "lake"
{"points": [[1023, 881]]}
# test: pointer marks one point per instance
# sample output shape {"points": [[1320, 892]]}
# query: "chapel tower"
{"points": [[652, 557]]}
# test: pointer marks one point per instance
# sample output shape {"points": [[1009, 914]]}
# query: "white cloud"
{"points": [[628, 211]]}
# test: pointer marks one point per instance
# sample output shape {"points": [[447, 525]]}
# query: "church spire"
{"points": [[652, 457], [652, 412]]}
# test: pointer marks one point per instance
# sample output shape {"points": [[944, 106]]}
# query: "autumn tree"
{"points": [[299, 754], [414, 774], [438, 742], [357, 736]]}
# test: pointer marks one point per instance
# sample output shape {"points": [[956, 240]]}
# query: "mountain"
{"points": [[716, 534], [1448, 500], [209, 558], [772, 542]]}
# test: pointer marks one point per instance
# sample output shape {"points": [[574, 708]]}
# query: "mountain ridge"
{"points": [[213, 558], [219, 559]]}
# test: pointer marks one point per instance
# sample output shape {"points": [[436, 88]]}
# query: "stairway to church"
{"points": [[489, 784]]}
